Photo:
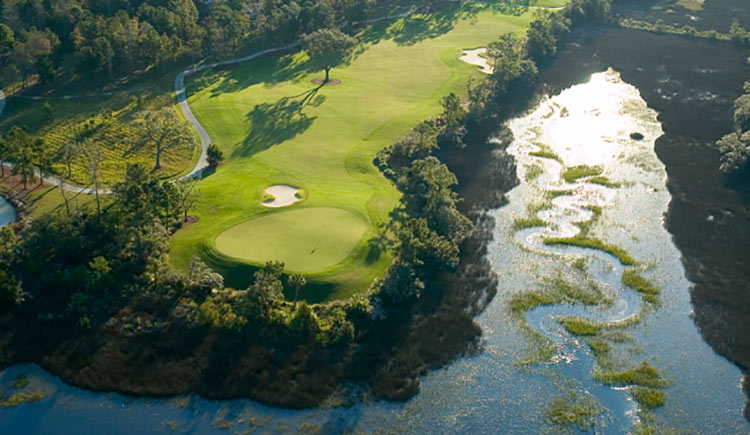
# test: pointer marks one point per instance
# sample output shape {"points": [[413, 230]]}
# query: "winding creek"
{"points": [[508, 386]]}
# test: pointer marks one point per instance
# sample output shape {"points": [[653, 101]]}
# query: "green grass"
{"points": [[574, 408], [571, 175], [644, 375], [577, 325], [305, 239], [648, 291], [276, 128], [648, 397]]}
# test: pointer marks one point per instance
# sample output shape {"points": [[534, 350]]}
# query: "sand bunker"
{"points": [[283, 195], [472, 57]]}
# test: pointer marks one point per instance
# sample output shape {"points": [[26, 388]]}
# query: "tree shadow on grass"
{"points": [[274, 123], [434, 21]]}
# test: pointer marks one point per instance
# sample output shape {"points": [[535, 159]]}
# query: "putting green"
{"points": [[305, 239]]}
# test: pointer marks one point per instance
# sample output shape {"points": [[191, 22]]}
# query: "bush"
{"points": [[214, 155]]}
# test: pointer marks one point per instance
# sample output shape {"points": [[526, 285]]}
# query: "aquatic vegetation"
{"points": [[222, 423], [580, 264], [533, 171], [529, 222], [558, 291], [604, 181], [20, 382], [599, 346], [587, 242], [21, 398], [577, 325], [552, 194], [572, 174], [648, 397], [637, 282], [546, 152], [644, 375], [574, 408]]}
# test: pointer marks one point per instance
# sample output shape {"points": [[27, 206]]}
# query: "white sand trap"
{"points": [[472, 57], [283, 195]]}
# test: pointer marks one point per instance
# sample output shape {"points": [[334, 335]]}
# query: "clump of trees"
{"points": [[107, 39], [735, 146]]}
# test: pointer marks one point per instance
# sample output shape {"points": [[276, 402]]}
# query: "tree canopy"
{"points": [[327, 48]]}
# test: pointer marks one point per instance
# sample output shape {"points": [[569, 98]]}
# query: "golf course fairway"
{"points": [[276, 127], [305, 239]]}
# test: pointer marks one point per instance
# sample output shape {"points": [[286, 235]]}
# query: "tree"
{"points": [[67, 154], [214, 155], [327, 48], [163, 130], [185, 195], [735, 152], [20, 145], [42, 159], [100, 270], [93, 161], [296, 282], [265, 290], [202, 279], [742, 112], [7, 41]]}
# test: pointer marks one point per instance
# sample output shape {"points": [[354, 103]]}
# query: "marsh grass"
{"points": [[533, 172], [21, 398], [574, 408], [649, 398], [649, 292], [529, 222], [572, 174], [644, 375], [545, 152], [604, 181], [588, 242], [556, 291], [577, 325]]}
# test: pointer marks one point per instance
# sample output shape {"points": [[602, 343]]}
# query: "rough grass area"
{"points": [[545, 152], [648, 397], [577, 325], [644, 375], [574, 408], [636, 281], [100, 119], [572, 174], [276, 127]]}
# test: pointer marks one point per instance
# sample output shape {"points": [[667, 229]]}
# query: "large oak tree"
{"points": [[327, 48]]}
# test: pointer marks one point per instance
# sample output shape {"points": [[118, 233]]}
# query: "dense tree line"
{"points": [[119, 37], [735, 146]]}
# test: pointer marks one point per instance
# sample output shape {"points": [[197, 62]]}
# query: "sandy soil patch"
{"points": [[472, 57], [283, 195]]}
